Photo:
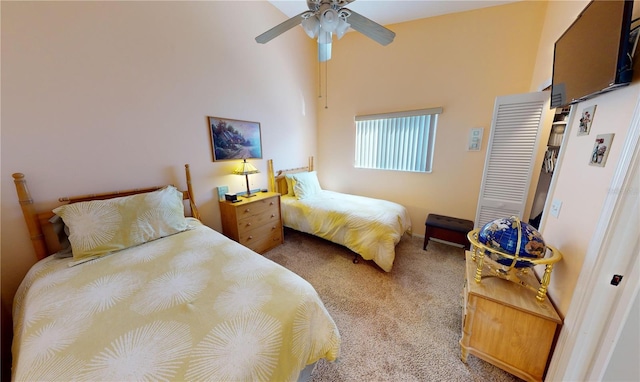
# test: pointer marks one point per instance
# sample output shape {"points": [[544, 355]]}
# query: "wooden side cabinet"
{"points": [[254, 222], [505, 325]]}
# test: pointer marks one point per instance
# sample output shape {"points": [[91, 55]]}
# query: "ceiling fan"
{"points": [[326, 17]]}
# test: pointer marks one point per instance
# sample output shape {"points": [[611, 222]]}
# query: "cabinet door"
{"points": [[511, 154]]}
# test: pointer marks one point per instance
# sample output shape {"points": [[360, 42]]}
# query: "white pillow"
{"points": [[306, 184]]}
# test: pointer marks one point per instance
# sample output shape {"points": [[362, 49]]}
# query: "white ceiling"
{"points": [[386, 12]]}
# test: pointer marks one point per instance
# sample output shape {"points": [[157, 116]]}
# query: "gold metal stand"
{"points": [[480, 255]]}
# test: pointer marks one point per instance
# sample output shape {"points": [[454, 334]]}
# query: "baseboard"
{"points": [[446, 242]]}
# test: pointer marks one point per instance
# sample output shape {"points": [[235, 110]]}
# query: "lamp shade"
{"points": [[245, 168], [311, 25], [342, 28], [329, 20]]}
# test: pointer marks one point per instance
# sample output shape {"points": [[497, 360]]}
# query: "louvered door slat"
{"points": [[510, 156]]}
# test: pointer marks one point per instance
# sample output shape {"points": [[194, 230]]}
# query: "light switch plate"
{"points": [[555, 207], [475, 139]]}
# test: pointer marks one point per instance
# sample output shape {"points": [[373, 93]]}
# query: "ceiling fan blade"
{"points": [[370, 28], [280, 28]]}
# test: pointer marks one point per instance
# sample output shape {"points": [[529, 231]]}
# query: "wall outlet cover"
{"points": [[555, 207]]}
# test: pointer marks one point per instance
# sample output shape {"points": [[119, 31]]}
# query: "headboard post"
{"points": [[277, 181], [192, 202], [30, 217], [271, 176]]}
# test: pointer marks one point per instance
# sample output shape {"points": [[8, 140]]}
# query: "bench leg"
{"points": [[427, 235]]}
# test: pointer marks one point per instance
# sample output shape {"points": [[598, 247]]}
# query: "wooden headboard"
{"points": [[277, 182], [45, 240]]}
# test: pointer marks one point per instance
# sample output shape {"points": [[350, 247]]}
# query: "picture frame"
{"points": [[222, 190], [601, 149], [586, 119], [233, 139]]}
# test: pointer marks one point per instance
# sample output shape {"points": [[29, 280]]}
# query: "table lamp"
{"points": [[245, 169]]}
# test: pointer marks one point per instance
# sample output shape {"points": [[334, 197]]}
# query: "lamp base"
{"points": [[248, 196]]}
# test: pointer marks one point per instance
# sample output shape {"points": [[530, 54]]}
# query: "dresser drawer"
{"points": [[271, 215], [256, 208], [269, 237]]}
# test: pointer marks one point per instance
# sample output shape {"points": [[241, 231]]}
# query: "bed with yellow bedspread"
{"points": [[369, 227], [190, 306]]}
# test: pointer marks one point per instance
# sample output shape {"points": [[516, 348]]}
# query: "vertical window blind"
{"points": [[402, 141]]}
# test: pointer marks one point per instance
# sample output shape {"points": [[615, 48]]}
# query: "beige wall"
{"points": [[460, 62], [581, 188], [100, 96]]}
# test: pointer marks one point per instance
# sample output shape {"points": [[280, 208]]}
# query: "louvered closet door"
{"points": [[511, 153]]}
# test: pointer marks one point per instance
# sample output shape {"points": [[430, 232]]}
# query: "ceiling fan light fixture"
{"points": [[329, 20], [311, 26], [342, 28]]}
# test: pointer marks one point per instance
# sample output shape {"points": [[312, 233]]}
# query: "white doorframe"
{"points": [[598, 312]]}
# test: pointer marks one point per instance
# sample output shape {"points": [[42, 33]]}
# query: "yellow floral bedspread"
{"points": [[192, 306], [369, 227]]}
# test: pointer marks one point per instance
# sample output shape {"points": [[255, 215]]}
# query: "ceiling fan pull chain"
{"points": [[319, 79], [326, 84]]}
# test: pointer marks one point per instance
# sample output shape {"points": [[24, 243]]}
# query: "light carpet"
{"points": [[399, 326]]}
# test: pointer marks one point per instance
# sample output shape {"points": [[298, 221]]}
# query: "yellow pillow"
{"points": [[290, 184], [99, 227]]}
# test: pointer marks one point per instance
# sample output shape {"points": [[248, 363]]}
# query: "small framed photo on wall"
{"points": [[586, 119], [601, 149]]}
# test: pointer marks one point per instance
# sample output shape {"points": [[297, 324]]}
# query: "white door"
{"points": [[511, 154]]}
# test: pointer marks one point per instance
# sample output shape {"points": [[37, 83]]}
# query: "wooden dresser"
{"points": [[505, 325], [254, 222]]}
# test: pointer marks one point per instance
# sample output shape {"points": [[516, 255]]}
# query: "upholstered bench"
{"points": [[448, 229]]}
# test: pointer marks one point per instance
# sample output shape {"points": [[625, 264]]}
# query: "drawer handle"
{"points": [[271, 203], [273, 215], [250, 237], [247, 210], [248, 224]]}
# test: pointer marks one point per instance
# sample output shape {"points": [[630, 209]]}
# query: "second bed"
{"points": [[369, 227]]}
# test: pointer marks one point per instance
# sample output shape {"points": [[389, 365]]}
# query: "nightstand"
{"points": [[505, 325], [254, 222]]}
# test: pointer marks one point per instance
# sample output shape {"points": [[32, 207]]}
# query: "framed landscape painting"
{"points": [[235, 139]]}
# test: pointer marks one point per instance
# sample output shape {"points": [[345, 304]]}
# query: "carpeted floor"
{"points": [[399, 326]]}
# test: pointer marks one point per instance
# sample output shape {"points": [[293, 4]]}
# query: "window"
{"points": [[401, 141]]}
